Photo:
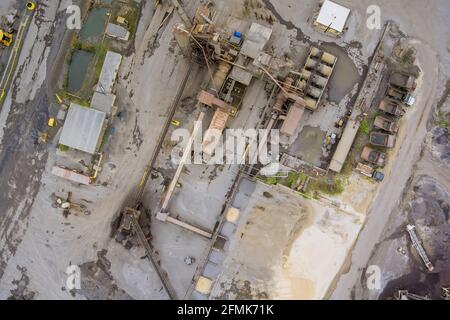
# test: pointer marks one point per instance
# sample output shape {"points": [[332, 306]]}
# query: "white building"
{"points": [[332, 18]]}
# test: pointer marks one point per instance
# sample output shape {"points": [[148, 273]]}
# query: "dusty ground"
{"points": [[274, 252], [37, 243]]}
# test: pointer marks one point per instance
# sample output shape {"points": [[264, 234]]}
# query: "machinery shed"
{"points": [[83, 129]]}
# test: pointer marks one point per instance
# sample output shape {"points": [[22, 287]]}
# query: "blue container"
{"points": [[237, 34]]}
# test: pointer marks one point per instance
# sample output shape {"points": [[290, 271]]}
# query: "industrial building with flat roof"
{"points": [[332, 18], [83, 129]]}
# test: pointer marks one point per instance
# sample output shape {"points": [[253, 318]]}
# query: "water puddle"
{"points": [[94, 24], [78, 69], [345, 74], [308, 145]]}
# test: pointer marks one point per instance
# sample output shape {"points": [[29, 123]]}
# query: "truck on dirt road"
{"points": [[369, 171], [391, 107], [373, 156], [400, 95], [385, 124], [382, 139]]}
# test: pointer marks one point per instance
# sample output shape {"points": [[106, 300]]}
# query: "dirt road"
{"points": [[387, 201]]}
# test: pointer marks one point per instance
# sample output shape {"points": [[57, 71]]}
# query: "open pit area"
{"points": [[129, 208]]}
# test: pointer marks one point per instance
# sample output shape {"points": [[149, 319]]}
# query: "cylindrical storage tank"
{"points": [[314, 92], [310, 63], [310, 103], [220, 75], [325, 70], [319, 81], [306, 74], [314, 52], [301, 84], [328, 58]]}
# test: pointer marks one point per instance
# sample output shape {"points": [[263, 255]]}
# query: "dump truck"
{"points": [[370, 155], [382, 139], [391, 107], [369, 171], [402, 81], [400, 95], [385, 124]]}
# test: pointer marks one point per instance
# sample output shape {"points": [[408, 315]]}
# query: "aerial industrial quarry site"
{"points": [[225, 150]]}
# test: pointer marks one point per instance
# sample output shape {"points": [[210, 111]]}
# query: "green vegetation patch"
{"points": [[364, 126], [63, 147], [331, 186]]}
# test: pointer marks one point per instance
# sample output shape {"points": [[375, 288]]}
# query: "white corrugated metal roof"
{"points": [[109, 72], [103, 102], [333, 15], [82, 128]]}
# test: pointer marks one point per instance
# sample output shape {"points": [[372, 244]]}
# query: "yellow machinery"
{"points": [[5, 38], [31, 6]]}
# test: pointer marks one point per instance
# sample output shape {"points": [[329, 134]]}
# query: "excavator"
{"points": [[6, 38]]}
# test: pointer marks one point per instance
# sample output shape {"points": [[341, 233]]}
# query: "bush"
{"points": [[63, 147], [364, 127]]}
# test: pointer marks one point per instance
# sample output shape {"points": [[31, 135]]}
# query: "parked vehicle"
{"points": [[400, 95], [391, 107], [370, 155], [369, 171], [402, 81], [385, 124], [382, 139], [378, 176]]}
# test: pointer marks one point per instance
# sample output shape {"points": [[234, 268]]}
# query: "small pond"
{"points": [[94, 24], [77, 70]]}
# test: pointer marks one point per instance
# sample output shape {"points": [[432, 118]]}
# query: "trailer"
{"points": [[382, 139], [391, 107], [385, 124], [71, 175], [369, 171], [370, 155]]}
